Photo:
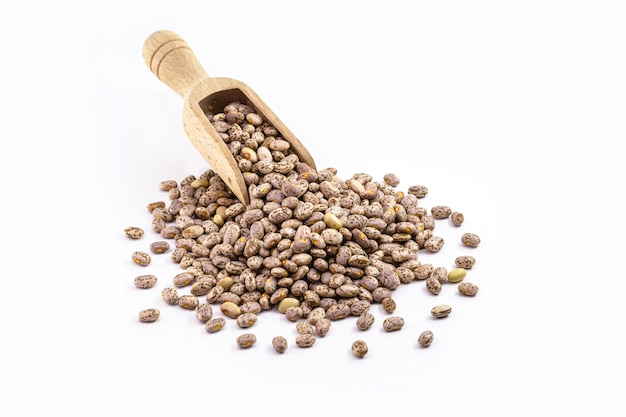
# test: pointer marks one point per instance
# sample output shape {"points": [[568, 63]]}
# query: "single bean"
{"points": [[457, 275], [134, 232], [149, 315], [145, 281], [467, 288], [359, 348], [280, 344], [141, 258], [441, 311], [393, 323], [425, 338], [215, 325], [246, 340]]}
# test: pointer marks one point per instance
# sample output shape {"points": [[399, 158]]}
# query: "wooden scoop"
{"points": [[170, 58]]}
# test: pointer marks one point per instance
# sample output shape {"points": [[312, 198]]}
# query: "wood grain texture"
{"points": [[173, 62]]}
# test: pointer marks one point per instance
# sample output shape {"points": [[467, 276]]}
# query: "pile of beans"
{"points": [[310, 245]]}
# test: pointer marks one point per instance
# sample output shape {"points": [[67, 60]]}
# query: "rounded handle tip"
{"points": [[170, 58]]}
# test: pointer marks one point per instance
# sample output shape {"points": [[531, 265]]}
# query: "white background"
{"points": [[511, 112]]}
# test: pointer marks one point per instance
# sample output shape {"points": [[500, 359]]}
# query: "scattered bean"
{"points": [[465, 262], [470, 239], [393, 323], [280, 344], [170, 295], [441, 212], [246, 340], [440, 311], [160, 246], [215, 325], [457, 275], [457, 218], [149, 315], [425, 338], [467, 288], [141, 258], [359, 348], [134, 232], [365, 321], [145, 281]]}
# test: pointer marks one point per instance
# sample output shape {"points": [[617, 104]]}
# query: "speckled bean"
{"points": [[441, 274], [305, 340], [393, 323], [188, 302], [467, 288], [134, 232], [425, 338], [457, 218], [304, 327], [141, 258], [145, 281], [470, 239], [322, 327], [183, 279], [160, 246], [441, 212], [280, 344], [245, 320], [246, 340], [434, 244], [215, 325], [204, 312], [170, 295], [149, 315], [389, 304], [365, 321], [465, 261], [359, 348], [433, 285]]}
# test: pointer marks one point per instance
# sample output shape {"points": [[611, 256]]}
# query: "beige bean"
{"points": [[145, 281], [393, 323], [245, 320], [149, 315], [160, 246], [188, 302], [359, 348], [305, 340], [425, 338], [141, 258], [170, 295], [468, 289], [287, 302], [204, 312], [246, 340], [440, 311], [470, 239], [465, 261], [215, 325], [457, 275], [134, 232], [322, 327], [230, 309], [280, 344]]}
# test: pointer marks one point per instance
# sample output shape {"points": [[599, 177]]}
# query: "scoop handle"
{"points": [[170, 58]]}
